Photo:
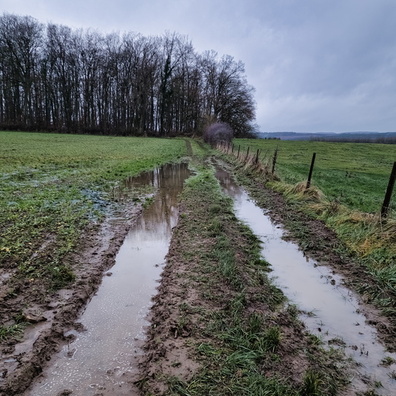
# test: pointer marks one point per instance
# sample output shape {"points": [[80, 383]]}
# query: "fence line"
{"points": [[253, 159]]}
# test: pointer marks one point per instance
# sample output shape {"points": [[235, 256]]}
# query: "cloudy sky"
{"points": [[316, 65]]}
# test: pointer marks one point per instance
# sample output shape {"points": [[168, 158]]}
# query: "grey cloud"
{"points": [[315, 64]]}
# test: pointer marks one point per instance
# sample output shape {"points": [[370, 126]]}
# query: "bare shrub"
{"points": [[219, 132]]}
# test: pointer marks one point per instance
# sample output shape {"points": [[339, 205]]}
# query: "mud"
{"points": [[53, 317], [102, 358], [50, 315]]}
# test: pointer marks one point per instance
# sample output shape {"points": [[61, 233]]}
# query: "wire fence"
{"points": [[268, 163]]}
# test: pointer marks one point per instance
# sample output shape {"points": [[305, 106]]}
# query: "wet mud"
{"points": [[51, 315], [56, 327], [102, 356]]}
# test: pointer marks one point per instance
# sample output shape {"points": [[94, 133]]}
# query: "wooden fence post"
{"points": [[274, 160], [247, 154], [257, 156], [389, 190], [310, 171]]}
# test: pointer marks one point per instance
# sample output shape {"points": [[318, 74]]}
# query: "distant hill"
{"points": [[376, 137]]}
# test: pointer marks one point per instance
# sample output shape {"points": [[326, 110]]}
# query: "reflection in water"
{"points": [[115, 318], [331, 309]]}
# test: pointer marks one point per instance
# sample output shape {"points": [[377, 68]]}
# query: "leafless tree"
{"points": [[56, 78], [20, 42]]}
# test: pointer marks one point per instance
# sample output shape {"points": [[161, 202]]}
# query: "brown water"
{"points": [[331, 310], [100, 358]]}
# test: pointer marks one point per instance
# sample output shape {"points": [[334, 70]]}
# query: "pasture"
{"points": [[353, 174], [55, 190]]}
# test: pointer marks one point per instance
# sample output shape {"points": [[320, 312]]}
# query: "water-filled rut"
{"points": [[104, 354], [330, 310]]}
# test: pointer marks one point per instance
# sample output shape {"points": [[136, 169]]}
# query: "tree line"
{"points": [[54, 78]]}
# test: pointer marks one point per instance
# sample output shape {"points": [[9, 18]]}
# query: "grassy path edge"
{"points": [[218, 326]]}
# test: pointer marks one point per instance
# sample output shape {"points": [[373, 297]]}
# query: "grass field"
{"points": [[353, 174], [52, 185]]}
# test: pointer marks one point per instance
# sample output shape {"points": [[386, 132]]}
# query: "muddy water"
{"points": [[104, 354], [331, 311]]}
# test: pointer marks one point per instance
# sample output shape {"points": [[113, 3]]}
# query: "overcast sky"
{"points": [[316, 65]]}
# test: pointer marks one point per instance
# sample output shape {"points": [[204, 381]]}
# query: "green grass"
{"points": [[54, 185], [353, 174], [12, 331]]}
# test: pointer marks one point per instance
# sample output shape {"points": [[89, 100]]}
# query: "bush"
{"points": [[218, 132]]}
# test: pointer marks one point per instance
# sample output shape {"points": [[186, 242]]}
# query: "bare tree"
{"points": [[227, 96], [56, 78], [20, 42]]}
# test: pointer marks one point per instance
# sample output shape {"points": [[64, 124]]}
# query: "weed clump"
{"points": [[311, 194]]}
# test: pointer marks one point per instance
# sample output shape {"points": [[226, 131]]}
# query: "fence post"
{"points": [[257, 156], [232, 148], [247, 154], [274, 160], [310, 171], [389, 190]]}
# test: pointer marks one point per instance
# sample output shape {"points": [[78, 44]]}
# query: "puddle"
{"points": [[101, 356], [331, 311]]}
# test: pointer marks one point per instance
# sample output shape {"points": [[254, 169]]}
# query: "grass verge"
{"points": [[353, 174]]}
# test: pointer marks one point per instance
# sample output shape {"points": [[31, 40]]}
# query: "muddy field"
{"points": [[187, 339]]}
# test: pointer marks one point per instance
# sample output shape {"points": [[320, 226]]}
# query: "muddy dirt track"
{"points": [[168, 350], [50, 316]]}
